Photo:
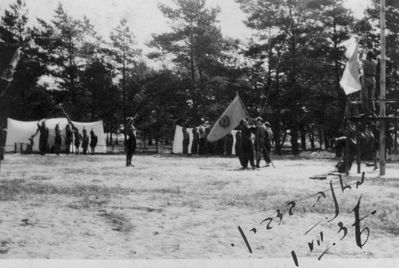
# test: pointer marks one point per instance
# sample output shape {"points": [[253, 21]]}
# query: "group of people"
{"points": [[81, 141], [363, 137], [201, 146], [253, 141]]}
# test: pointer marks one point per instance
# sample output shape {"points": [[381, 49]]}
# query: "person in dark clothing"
{"points": [[368, 143], [246, 147], [68, 138], [194, 146], [238, 142], [229, 144], [57, 141], [85, 141], [186, 140], [220, 146], [93, 141], [368, 82], [3, 134], [260, 142], [201, 143], [130, 142], [29, 148], [42, 129], [78, 139]]}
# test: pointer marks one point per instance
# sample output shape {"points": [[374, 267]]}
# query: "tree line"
{"points": [[288, 73]]}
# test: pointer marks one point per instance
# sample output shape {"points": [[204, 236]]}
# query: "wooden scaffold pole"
{"points": [[382, 88]]}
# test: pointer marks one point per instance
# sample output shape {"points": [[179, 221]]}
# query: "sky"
{"points": [[144, 16]]}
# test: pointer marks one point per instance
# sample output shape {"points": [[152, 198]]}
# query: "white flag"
{"points": [[350, 79]]}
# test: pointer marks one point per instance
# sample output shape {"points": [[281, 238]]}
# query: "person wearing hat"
{"points": [[368, 82], [246, 150], [130, 146]]}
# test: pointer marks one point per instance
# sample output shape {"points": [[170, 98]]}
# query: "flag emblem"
{"points": [[224, 122]]}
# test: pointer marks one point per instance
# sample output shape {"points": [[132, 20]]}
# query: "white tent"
{"points": [[19, 132], [178, 140]]}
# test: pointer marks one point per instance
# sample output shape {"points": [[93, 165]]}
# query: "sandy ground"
{"points": [[186, 207]]}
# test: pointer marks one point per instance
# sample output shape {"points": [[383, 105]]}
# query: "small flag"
{"points": [[350, 79], [228, 120], [8, 72]]}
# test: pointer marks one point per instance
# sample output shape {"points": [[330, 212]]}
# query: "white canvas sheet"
{"points": [[178, 140], [20, 132]]}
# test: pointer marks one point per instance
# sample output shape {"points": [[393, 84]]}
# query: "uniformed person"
{"points": [[93, 141], [260, 142], [78, 139], [246, 151], [194, 146], [85, 141], [368, 83], [43, 130], [268, 143], [68, 138], [130, 146], [186, 140], [57, 140]]}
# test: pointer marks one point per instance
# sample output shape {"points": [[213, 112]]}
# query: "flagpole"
{"points": [[242, 103], [5, 90], [382, 88]]}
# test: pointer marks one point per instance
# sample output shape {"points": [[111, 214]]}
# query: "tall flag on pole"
{"points": [[228, 120], [350, 79], [8, 72]]}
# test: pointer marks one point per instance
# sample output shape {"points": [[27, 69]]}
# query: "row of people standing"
{"points": [[201, 146], [71, 135]]}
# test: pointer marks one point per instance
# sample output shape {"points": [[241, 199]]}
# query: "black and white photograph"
{"points": [[199, 133]]}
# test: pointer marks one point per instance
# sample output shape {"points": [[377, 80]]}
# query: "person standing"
{"points": [[3, 134], [78, 139], [76, 134], [57, 141], [238, 142], [368, 83], [93, 141], [268, 143], [42, 129], [68, 138], [201, 143], [186, 140], [130, 146], [85, 141], [194, 146], [260, 136], [246, 151], [229, 144]]}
